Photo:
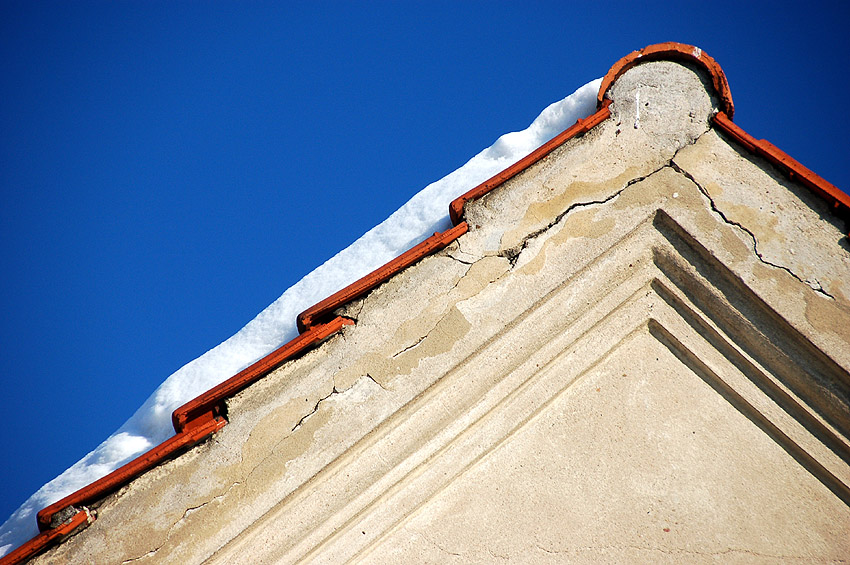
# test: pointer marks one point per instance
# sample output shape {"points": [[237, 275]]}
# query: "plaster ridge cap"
{"points": [[671, 51], [838, 200]]}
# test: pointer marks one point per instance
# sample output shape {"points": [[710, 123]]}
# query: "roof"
{"points": [[201, 417]]}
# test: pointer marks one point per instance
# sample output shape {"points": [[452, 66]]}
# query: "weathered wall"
{"points": [[640, 351]]}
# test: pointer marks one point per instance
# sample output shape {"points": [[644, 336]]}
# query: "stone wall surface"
{"points": [[639, 352]]}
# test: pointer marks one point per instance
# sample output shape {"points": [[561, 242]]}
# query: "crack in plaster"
{"points": [[347, 310], [445, 313], [473, 257], [672, 551], [411, 346], [177, 522], [495, 555], [247, 475], [148, 554], [193, 509], [326, 397], [438, 546], [314, 410], [816, 287], [304, 418], [454, 252], [544, 550], [512, 254], [374, 380]]}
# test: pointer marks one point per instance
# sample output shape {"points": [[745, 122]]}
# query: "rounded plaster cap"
{"points": [[672, 51]]}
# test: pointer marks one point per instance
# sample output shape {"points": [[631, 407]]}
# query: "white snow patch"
{"points": [[421, 216]]}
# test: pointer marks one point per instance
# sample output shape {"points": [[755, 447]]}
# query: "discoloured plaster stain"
{"points": [[428, 334], [823, 316], [755, 243], [745, 215], [513, 253], [450, 328], [784, 221], [565, 199], [583, 223], [288, 416]]}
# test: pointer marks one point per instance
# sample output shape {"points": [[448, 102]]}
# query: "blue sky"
{"points": [[169, 169]]}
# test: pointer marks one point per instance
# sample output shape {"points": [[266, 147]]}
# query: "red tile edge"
{"points": [[672, 51], [211, 401], [204, 415], [580, 127], [194, 421], [325, 308], [45, 539], [796, 171], [121, 476]]}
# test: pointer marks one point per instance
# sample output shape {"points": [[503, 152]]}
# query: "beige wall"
{"points": [[639, 352]]}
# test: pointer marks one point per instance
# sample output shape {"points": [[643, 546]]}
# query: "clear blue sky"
{"points": [[169, 169]]}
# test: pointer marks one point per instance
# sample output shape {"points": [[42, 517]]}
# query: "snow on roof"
{"points": [[421, 216]]}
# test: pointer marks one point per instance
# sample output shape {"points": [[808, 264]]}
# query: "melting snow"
{"points": [[421, 216]]}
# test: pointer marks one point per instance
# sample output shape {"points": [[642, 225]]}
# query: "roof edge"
{"points": [[838, 201], [194, 421], [580, 127], [315, 314]]}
